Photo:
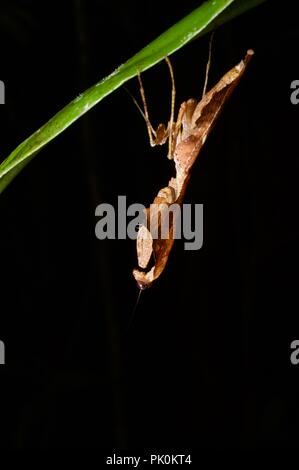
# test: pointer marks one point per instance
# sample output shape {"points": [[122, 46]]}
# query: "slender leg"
{"points": [[171, 121], [176, 135], [160, 136], [150, 130], [208, 66]]}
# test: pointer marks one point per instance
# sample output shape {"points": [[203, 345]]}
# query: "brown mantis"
{"points": [[186, 136]]}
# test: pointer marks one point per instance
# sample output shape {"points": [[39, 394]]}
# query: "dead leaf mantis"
{"points": [[186, 136]]}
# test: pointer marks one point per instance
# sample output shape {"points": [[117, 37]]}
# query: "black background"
{"points": [[206, 361]]}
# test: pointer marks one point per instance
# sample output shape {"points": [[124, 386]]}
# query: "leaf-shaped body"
{"points": [[194, 123]]}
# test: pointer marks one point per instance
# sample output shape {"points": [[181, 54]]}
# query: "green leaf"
{"points": [[209, 15]]}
